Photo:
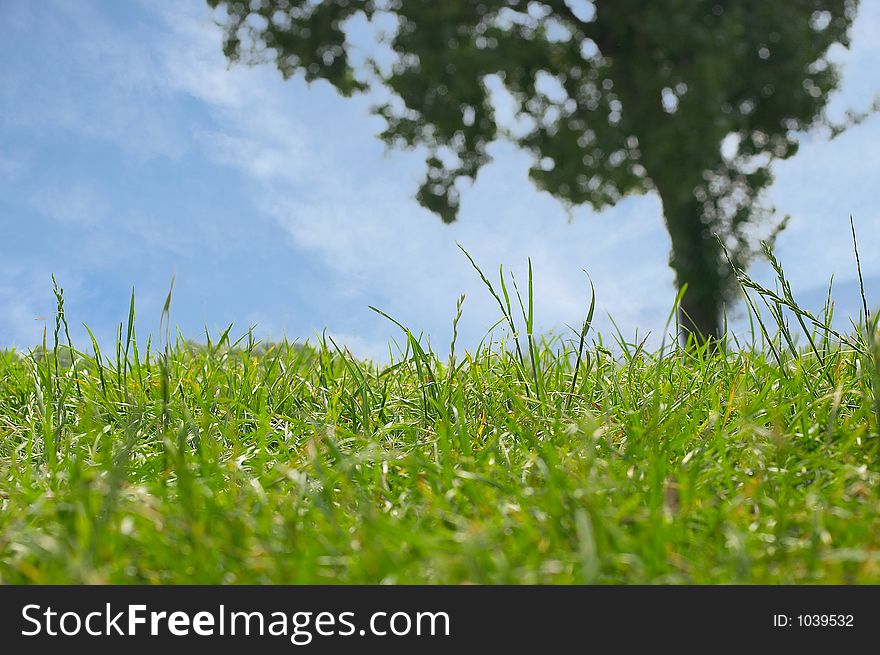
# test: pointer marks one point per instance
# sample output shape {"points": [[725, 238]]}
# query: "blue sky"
{"points": [[129, 151]]}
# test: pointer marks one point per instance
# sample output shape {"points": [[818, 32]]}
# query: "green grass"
{"points": [[527, 460]]}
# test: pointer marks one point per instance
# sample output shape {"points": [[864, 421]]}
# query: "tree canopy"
{"points": [[612, 97]]}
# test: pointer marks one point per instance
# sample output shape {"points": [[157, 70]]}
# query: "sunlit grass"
{"points": [[524, 461]]}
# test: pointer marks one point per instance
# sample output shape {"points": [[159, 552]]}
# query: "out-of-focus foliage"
{"points": [[611, 97]]}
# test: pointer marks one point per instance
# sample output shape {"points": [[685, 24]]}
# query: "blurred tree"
{"points": [[692, 99]]}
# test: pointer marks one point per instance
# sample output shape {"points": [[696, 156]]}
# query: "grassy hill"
{"points": [[525, 461]]}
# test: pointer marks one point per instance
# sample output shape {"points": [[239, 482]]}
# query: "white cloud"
{"points": [[255, 156]]}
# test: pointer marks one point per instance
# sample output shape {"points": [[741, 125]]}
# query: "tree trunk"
{"points": [[695, 258], [674, 153]]}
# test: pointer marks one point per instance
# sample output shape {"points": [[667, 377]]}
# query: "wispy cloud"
{"points": [[78, 71]]}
